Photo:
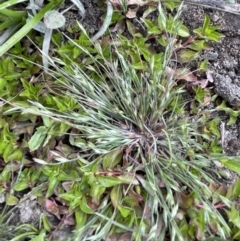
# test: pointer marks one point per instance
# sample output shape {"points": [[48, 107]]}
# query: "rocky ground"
{"points": [[224, 59]]}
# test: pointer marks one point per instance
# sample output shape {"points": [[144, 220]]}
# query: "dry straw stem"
{"points": [[216, 4]]}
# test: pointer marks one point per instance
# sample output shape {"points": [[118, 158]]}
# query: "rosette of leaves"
{"points": [[141, 169]]}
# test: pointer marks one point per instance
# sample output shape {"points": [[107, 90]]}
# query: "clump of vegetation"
{"points": [[116, 151], [16, 24]]}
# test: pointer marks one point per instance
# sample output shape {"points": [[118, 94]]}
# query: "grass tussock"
{"points": [[139, 154]]}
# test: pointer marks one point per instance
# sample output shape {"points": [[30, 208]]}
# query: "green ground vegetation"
{"points": [[107, 140]]}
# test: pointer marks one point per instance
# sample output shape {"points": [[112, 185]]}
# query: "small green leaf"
{"points": [[15, 155], [186, 55], [147, 186], [215, 147], [130, 201], [154, 30], [52, 184], [213, 126], [203, 65], [230, 192], [81, 218], [149, 24], [11, 76], [128, 179], [37, 139], [232, 120], [183, 31], [19, 186], [11, 200], [171, 5], [7, 135], [232, 113], [47, 121], [84, 206], [108, 181], [132, 29], [162, 41], [3, 83], [63, 128], [63, 176], [6, 152], [67, 196], [199, 45], [234, 216], [232, 165], [46, 223], [78, 142], [5, 174], [116, 196], [76, 52], [125, 211], [214, 36], [221, 191], [206, 22], [236, 189], [184, 201], [200, 94], [111, 159], [64, 103], [96, 193]]}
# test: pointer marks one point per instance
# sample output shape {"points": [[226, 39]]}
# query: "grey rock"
{"points": [[29, 211], [227, 89], [210, 55]]}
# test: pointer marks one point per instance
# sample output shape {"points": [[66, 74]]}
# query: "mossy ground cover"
{"points": [[104, 140]]}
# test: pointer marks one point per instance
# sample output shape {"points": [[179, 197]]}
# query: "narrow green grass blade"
{"points": [[10, 3], [27, 27], [13, 14], [7, 25]]}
